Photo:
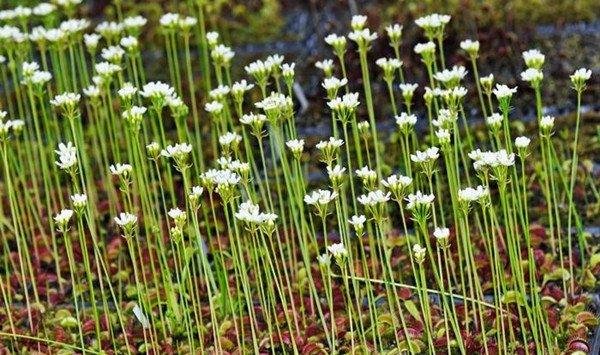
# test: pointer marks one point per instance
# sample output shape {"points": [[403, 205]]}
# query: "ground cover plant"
{"points": [[141, 216]]}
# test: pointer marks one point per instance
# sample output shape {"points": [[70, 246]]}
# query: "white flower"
{"points": [[582, 74], [333, 84], [441, 233], [320, 197], [443, 136], [503, 91], [273, 62], [240, 87], [126, 220], [547, 123], [532, 75], [533, 58], [222, 55], [470, 194], [338, 250], [331, 143], [120, 169], [419, 199], [176, 213], [219, 92], [170, 20], [394, 32], [432, 21], [127, 91], [134, 22], [470, 46], [389, 64], [214, 107], [296, 146], [408, 90], [419, 253], [157, 90], [397, 182], [258, 69], [405, 121], [63, 217], [67, 99], [522, 142], [430, 154], [67, 156], [91, 40], [129, 43], [112, 54], [196, 192], [358, 222], [494, 121], [362, 37], [43, 9], [425, 48], [229, 138], [212, 38], [253, 119], [366, 173], [79, 201], [106, 69], [453, 75], [504, 158], [177, 150], [446, 118], [28, 68], [358, 22], [325, 65], [40, 78], [579, 78], [373, 198], [336, 41]]}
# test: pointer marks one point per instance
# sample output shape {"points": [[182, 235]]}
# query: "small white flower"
{"points": [[79, 200], [408, 89], [503, 91], [419, 199], [91, 40], [358, 222], [120, 169], [547, 123], [534, 58], [338, 250], [126, 220], [373, 198], [494, 121], [296, 146], [470, 46], [358, 22], [441, 233], [522, 142], [532, 75], [425, 48], [362, 37], [134, 22], [325, 65], [419, 253], [113, 54], [63, 217], [320, 197], [67, 156], [406, 122], [430, 154], [333, 83]]}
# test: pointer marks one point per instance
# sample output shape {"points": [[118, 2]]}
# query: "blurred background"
{"points": [[567, 32]]}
